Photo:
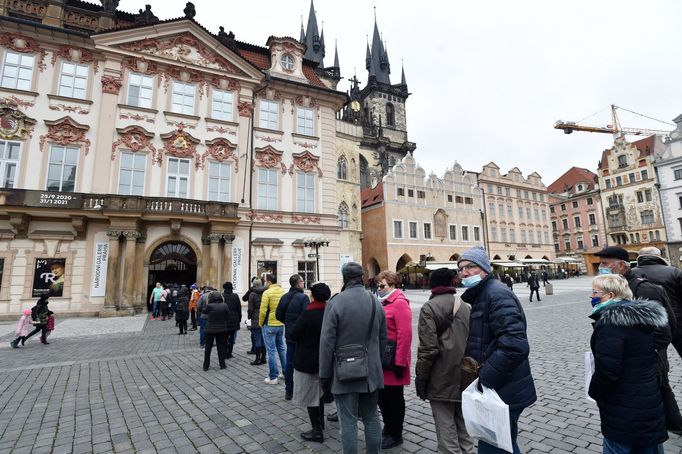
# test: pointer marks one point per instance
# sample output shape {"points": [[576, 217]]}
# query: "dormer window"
{"points": [[622, 161], [287, 62]]}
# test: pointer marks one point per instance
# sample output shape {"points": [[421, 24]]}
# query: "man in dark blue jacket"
{"points": [[497, 339], [290, 307]]}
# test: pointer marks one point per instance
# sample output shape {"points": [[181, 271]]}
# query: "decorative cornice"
{"points": [[264, 217], [136, 117], [304, 219], [135, 138], [307, 162], [179, 144], [24, 44], [221, 150], [111, 85], [270, 158], [65, 131]]}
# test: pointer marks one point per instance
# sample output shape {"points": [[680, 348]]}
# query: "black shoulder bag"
{"points": [[350, 361]]}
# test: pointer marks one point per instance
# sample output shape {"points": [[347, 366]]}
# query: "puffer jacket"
{"points": [[182, 306], [439, 358], [670, 278], [498, 341], [625, 383], [399, 329], [235, 307], [253, 308]]}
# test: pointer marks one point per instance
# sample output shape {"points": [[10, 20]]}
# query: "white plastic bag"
{"points": [[589, 370], [487, 416]]}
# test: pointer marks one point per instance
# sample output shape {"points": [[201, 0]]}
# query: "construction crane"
{"points": [[615, 127]]}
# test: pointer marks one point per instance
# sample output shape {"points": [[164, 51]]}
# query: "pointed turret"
{"points": [[302, 38], [313, 41], [322, 48], [379, 64], [336, 55], [403, 81], [368, 58]]}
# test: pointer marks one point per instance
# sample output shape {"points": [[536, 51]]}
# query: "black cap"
{"points": [[614, 252], [320, 292], [442, 277], [351, 270]]}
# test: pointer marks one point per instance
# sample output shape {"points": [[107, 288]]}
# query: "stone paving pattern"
{"points": [[142, 390]]}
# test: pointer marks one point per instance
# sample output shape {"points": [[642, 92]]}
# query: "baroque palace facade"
{"points": [[138, 150]]}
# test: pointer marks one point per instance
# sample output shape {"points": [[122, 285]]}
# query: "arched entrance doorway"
{"points": [[172, 263]]}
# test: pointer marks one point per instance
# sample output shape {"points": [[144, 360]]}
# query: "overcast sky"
{"points": [[490, 77]]}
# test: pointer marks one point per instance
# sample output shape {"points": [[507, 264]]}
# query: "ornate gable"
{"points": [[307, 162], [183, 48], [135, 138], [179, 144], [221, 150], [270, 158], [65, 131]]}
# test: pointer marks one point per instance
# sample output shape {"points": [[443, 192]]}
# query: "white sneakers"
{"points": [[281, 376], [269, 381]]}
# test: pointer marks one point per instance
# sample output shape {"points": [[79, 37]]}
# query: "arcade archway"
{"points": [[172, 263]]}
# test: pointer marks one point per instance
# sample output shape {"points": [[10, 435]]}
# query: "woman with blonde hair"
{"points": [[625, 382]]}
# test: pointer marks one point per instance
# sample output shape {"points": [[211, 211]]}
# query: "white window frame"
{"points": [[8, 163], [414, 224], [178, 177], [62, 165], [512, 234], [183, 92], [430, 233], [67, 90], [305, 121], [452, 228], [144, 87], [222, 105], [134, 171], [305, 192], [223, 180], [465, 233], [477, 232], [267, 191], [268, 114], [22, 67], [399, 224]]}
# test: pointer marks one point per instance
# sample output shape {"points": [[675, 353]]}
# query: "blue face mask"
{"points": [[595, 300], [471, 281], [605, 271]]}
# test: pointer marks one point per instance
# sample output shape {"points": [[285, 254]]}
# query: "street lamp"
{"points": [[317, 243]]}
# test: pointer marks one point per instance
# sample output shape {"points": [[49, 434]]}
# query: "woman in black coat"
{"points": [[216, 313], [39, 315], [234, 318], [625, 382], [182, 309]]}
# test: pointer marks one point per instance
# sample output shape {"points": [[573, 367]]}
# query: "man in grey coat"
{"points": [[346, 321]]}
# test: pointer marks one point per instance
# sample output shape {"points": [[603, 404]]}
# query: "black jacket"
{"points": [[234, 318], [253, 310], [533, 283], [670, 278], [217, 314], [290, 308], [40, 313], [625, 382], [306, 333], [497, 338], [182, 307], [643, 289]]}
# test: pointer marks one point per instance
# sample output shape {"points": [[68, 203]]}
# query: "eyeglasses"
{"points": [[594, 292], [382, 286], [470, 266]]}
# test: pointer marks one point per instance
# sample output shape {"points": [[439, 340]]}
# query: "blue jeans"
{"points": [[274, 344], [256, 339], [614, 447], [231, 337], [485, 448], [289, 368], [348, 406], [202, 331], [155, 308]]}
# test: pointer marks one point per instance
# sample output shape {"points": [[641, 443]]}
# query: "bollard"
{"points": [[549, 289]]}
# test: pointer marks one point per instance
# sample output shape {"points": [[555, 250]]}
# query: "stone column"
{"points": [[113, 279], [213, 241], [227, 258], [126, 307], [140, 301]]}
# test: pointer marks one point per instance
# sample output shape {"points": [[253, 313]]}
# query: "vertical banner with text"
{"points": [[237, 263], [100, 261]]}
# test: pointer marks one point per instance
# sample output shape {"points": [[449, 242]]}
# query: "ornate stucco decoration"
{"points": [[65, 131], [29, 8], [25, 45], [221, 130], [13, 101], [306, 162], [270, 158], [136, 117], [111, 85], [184, 48], [224, 83], [143, 66], [264, 217], [178, 144], [135, 139], [245, 109], [70, 109], [14, 123], [305, 101], [221, 150], [79, 19], [304, 219], [75, 55], [184, 75]]}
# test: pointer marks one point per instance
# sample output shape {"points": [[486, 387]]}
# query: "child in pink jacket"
{"points": [[22, 327]]}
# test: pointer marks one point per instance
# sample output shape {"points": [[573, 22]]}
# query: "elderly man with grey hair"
{"points": [[652, 266]]}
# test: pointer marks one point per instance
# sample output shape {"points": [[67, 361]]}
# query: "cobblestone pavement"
{"points": [[140, 388]]}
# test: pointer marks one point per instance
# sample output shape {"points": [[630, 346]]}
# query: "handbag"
{"points": [[388, 358], [350, 361]]}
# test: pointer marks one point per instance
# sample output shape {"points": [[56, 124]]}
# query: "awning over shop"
{"points": [[536, 261], [568, 260], [507, 264], [436, 265]]}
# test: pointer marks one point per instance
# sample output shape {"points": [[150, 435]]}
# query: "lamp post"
{"points": [[317, 243]]}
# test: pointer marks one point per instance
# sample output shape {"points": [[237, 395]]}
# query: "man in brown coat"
{"points": [[443, 332]]}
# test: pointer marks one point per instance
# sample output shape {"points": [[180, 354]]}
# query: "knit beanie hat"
{"points": [[351, 270], [321, 292], [479, 256], [442, 277]]}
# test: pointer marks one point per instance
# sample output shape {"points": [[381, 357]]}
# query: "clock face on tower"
{"points": [[355, 105]]}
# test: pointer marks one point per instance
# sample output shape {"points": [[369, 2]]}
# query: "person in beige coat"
{"points": [[443, 331]]}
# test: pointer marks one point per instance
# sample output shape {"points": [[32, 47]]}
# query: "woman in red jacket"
{"points": [[397, 375]]}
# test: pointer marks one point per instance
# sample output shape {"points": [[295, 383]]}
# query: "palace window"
{"points": [[61, 172], [73, 81], [397, 229], [647, 216], [305, 192], [622, 161], [427, 231], [17, 70], [177, 178], [268, 115], [390, 114], [343, 216], [575, 204], [140, 89], [645, 174], [576, 222], [564, 224], [412, 230], [595, 240], [267, 189], [512, 234], [593, 218], [307, 271], [465, 233], [219, 181], [183, 98], [304, 121], [222, 105], [131, 173], [9, 163], [453, 231], [589, 200]]}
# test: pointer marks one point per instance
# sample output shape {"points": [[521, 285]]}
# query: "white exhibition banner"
{"points": [[237, 263], [100, 261], [343, 259]]}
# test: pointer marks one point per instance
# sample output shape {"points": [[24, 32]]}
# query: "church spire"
{"points": [[302, 38], [336, 54], [379, 60], [313, 41], [403, 81]]}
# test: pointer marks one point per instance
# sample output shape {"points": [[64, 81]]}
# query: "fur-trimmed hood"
{"points": [[634, 313]]}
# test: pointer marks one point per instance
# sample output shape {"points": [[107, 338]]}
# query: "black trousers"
{"points": [[37, 328], [183, 326], [193, 317], [221, 346], [392, 406], [537, 292]]}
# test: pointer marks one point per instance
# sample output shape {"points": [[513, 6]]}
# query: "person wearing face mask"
{"points": [[625, 383], [497, 339]]}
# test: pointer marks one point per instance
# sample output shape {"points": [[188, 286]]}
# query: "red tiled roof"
{"points": [[642, 145], [573, 176], [261, 59], [372, 196]]}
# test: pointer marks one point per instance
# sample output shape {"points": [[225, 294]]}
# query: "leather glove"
{"points": [[420, 386], [399, 371], [327, 395]]}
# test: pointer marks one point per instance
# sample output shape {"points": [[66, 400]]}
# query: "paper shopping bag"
{"points": [[487, 416], [589, 370]]}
